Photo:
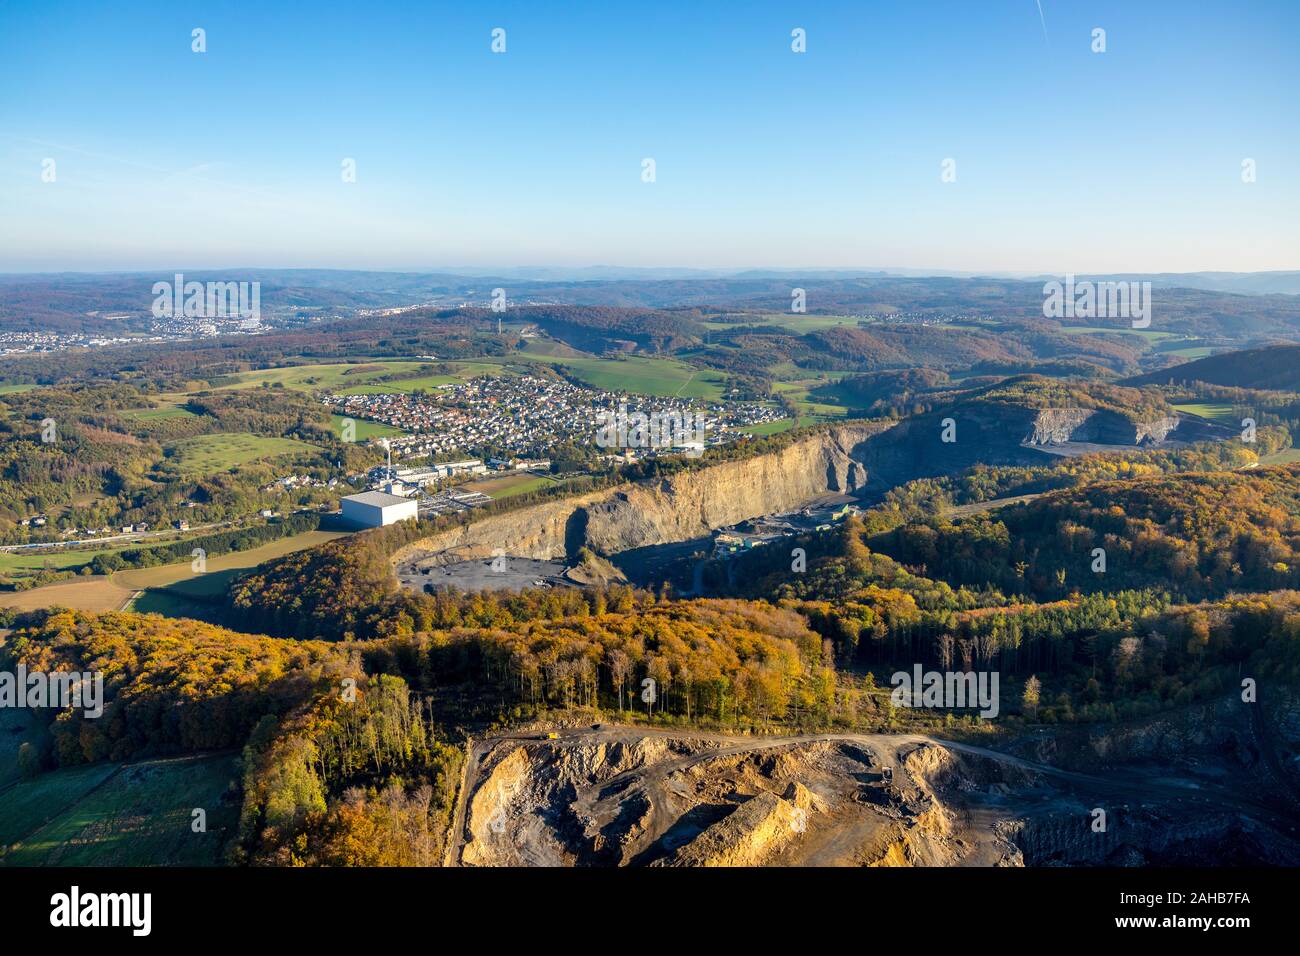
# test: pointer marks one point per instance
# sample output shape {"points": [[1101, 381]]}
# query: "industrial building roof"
{"points": [[377, 499]]}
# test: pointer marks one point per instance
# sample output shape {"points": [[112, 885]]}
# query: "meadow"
{"points": [[208, 454], [1214, 411], [138, 814]]}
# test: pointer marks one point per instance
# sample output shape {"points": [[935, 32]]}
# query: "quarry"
{"points": [[625, 796]]}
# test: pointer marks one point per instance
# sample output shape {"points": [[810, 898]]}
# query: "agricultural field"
{"points": [[138, 814], [27, 805], [165, 586], [209, 454], [1148, 334], [510, 485], [1285, 457], [463, 373], [1215, 411], [367, 429], [91, 592], [815, 397], [167, 574], [780, 425], [799, 323], [1189, 353], [308, 378], [646, 376]]}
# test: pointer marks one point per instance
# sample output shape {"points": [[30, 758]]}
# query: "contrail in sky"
{"points": [[1041, 18]]}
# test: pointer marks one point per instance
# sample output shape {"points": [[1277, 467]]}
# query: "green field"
{"points": [[1215, 411], [209, 454], [30, 804], [158, 414], [643, 375], [367, 430], [510, 485], [11, 389], [463, 373], [1099, 330], [800, 323], [780, 425], [1284, 457], [1192, 352], [55, 560], [819, 397], [121, 815], [308, 378]]}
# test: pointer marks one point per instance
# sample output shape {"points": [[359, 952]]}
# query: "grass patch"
{"points": [[134, 815], [643, 375], [516, 484], [367, 429], [158, 414], [307, 378], [1147, 334], [210, 454], [1284, 457], [1215, 411], [31, 804], [464, 371], [780, 425]]}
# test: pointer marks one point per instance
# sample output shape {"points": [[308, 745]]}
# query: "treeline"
{"points": [[222, 542]]}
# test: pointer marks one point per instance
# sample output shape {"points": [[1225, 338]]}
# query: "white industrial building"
{"points": [[374, 509]]}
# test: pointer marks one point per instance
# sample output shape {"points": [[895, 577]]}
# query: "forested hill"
{"points": [[1272, 367], [1199, 535]]}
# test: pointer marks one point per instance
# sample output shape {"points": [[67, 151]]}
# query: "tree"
{"points": [[1029, 699], [29, 760]]}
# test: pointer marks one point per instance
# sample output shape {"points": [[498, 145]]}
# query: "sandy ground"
{"points": [[96, 592]]}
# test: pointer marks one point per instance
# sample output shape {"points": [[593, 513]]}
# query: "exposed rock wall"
{"points": [[1056, 426], [678, 508]]}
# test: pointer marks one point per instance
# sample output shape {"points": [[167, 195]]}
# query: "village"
{"points": [[528, 417]]}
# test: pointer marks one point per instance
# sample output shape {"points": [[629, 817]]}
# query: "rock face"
{"points": [[1057, 426], [990, 433], [759, 827], [685, 506]]}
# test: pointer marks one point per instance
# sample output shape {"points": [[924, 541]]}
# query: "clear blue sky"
{"points": [[1065, 159]]}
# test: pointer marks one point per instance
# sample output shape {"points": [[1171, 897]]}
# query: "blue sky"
{"points": [[1066, 160]]}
